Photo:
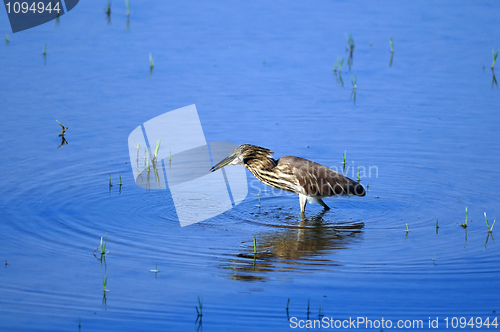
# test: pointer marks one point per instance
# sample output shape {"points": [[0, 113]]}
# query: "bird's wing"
{"points": [[317, 180]]}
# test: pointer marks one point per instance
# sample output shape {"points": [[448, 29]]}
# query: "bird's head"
{"points": [[242, 154]]}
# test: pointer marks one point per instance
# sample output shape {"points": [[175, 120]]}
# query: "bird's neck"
{"points": [[257, 166]]}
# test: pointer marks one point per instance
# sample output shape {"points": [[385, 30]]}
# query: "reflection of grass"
{"points": [[464, 225], [488, 225], [495, 55]]}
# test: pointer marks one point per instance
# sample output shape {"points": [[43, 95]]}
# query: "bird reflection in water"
{"points": [[304, 247]]}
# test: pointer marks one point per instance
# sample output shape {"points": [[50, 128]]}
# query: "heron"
{"points": [[310, 180]]}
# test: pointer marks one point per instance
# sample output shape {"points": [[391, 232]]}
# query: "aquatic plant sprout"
{"points": [[495, 55], [488, 225], [200, 305]]}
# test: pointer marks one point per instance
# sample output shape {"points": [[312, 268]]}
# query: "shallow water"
{"points": [[425, 125]]}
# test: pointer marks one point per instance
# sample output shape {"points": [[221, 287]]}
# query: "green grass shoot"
{"points": [[392, 46], [103, 245], [127, 3], [45, 50], [151, 62], [105, 282], [488, 225], [464, 225], [120, 180], [138, 146], [200, 306], [308, 306], [7, 40], [157, 148], [495, 55], [287, 304], [407, 230], [367, 185], [359, 179], [350, 42], [110, 184], [254, 245], [437, 223], [146, 157], [353, 81], [156, 268], [258, 196], [345, 155], [108, 9], [339, 64]]}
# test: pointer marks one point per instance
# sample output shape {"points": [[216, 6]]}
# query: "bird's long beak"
{"points": [[224, 162]]}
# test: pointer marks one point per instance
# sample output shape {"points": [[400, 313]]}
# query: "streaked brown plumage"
{"points": [[310, 180]]}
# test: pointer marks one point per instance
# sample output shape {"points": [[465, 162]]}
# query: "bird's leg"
{"points": [[303, 202], [320, 201]]}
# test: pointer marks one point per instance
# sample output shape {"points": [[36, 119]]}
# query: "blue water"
{"points": [[261, 73]]}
